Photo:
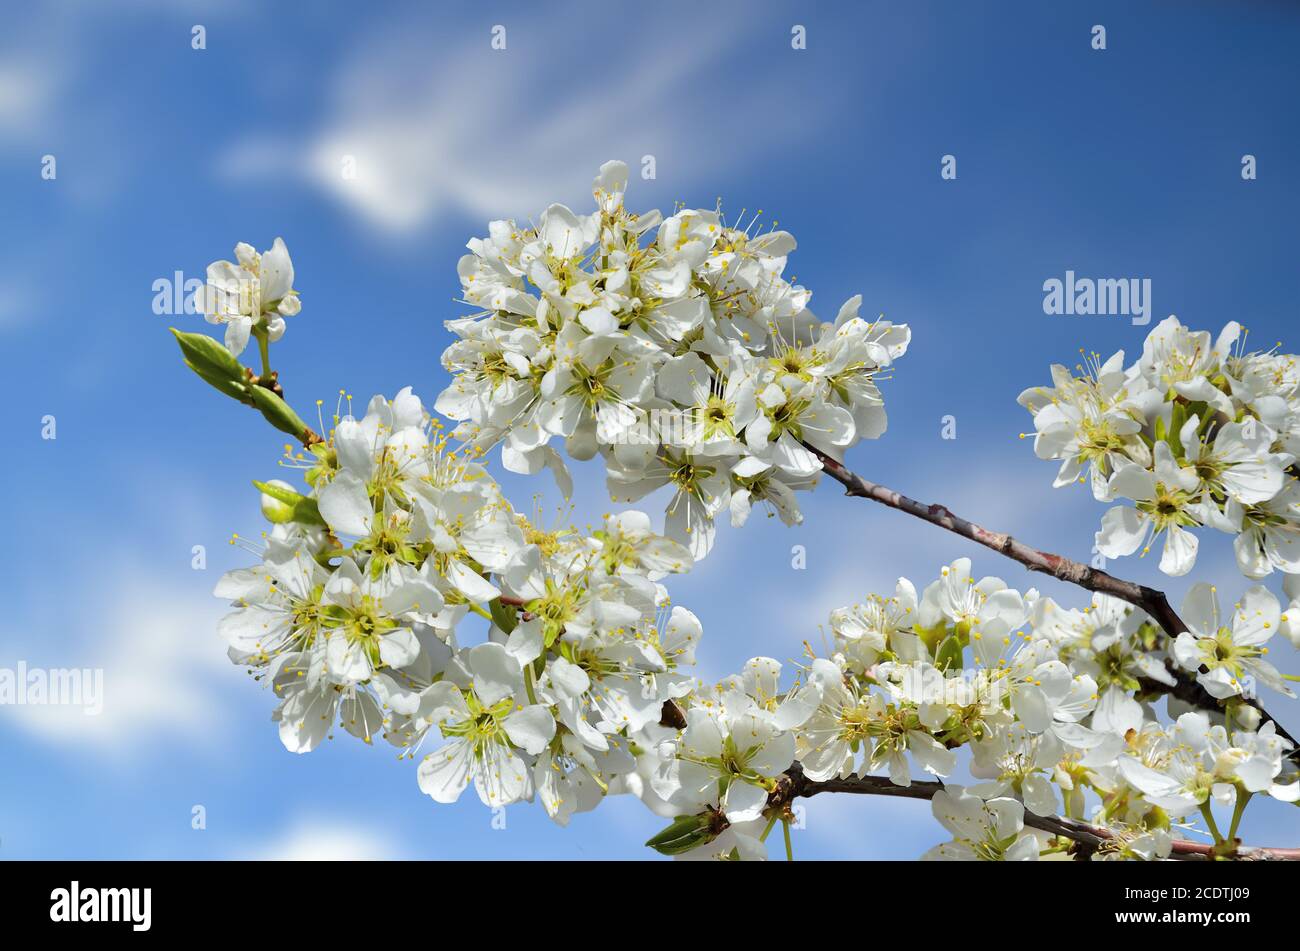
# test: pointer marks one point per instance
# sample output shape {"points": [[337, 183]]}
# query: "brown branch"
{"points": [[1088, 838], [1085, 576], [1150, 600], [1184, 688]]}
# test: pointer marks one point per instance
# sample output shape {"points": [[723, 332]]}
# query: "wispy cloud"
{"points": [[16, 302], [162, 662], [317, 839], [28, 91], [486, 132]]}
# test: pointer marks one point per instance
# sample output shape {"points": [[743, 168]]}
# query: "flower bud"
{"points": [[684, 834], [277, 497], [275, 510]]}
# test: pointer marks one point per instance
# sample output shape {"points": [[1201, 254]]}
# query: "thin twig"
{"points": [[1088, 838]]}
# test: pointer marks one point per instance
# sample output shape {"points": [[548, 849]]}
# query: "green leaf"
{"points": [[277, 412], [684, 834], [302, 509], [504, 616]]}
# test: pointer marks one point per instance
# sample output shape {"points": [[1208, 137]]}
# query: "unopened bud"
{"points": [[281, 513], [685, 833]]}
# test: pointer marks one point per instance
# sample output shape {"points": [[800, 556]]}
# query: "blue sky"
{"points": [[1117, 163]]}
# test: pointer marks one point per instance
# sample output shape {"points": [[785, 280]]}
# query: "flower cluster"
{"points": [[673, 347], [1050, 703], [353, 617], [1197, 433], [677, 351]]}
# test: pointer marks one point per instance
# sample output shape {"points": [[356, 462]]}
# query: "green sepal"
{"points": [[305, 510], [504, 616], [1174, 436], [1157, 818], [949, 654], [932, 636]]}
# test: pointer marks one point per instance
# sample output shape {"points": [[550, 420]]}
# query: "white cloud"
{"points": [[28, 91], [163, 666], [16, 303], [471, 130], [318, 839]]}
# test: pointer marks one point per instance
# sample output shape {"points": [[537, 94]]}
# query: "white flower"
{"points": [[573, 778], [1019, 761], [867, 629], [702, 487], [1164, 503], [1238, 463], [279, 605], [1105, 640], [792, 413], [1269, 533], [1228, 659], [731, 762], [757, 482], [957, 598], [992, 831], [1197, 433], [857, 356], [255, 292], [470, 531], [1175, 358], [368, 620], [838, 735], [489, 731], [758, 692], [1090, 422], [593, 392], [376, 457], [1171, 771], [311, 703], [627, 544]]}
